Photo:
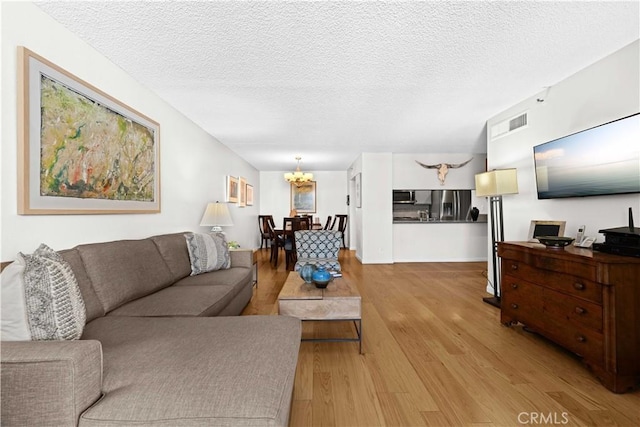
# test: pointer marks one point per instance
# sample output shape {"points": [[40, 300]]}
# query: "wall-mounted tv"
{"points": [[601, 160]]}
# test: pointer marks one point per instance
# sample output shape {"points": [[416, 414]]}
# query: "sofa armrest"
{"points": [[49, 382], [241, 258]]}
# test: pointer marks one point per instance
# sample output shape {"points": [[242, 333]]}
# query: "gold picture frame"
{"points": [[81, 151], [249, 195], [242, 198], [232, 189], [303, 197]]}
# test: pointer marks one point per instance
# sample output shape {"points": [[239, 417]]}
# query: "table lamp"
{"points": [[216, 216]]}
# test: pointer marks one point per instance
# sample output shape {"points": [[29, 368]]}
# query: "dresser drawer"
{"points": [[572, 285], [579, 312], [521, 301], [582, 341]]}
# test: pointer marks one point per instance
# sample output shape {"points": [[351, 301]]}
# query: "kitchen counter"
{"points": [[436, 221]]}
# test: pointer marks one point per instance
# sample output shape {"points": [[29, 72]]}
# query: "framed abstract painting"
{"points": [[80, 150]]}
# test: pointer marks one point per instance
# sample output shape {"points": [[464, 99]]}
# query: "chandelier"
{"points": [[298, 177]]}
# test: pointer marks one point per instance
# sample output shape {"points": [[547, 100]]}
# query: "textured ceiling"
{"points": [[329, 80]]}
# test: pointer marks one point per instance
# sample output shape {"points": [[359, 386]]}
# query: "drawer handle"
{"points": [[579, 286], [514, 286], [580, 310], [514, 266], [514, 306], [580, 338]]}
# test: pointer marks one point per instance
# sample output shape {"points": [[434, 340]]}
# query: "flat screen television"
{"points": [[601, 160]]}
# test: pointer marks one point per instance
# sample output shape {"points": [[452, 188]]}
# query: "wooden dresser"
{"points": [[588, 302]]}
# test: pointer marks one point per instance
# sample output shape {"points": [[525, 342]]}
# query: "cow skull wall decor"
{"points": [[443, 168]]}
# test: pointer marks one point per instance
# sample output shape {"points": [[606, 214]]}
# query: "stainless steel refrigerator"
{"points": [[451, 205]]}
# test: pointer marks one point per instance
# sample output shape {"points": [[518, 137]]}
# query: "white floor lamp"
{"points": [[494, 184]]}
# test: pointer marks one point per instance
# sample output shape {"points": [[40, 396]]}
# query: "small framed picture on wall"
{"points": [[358, 190], [249, 195], [242, 198], [232, 187]]}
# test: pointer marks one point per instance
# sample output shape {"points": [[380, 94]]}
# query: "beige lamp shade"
{"points": [[497, 182], [216, 216]]}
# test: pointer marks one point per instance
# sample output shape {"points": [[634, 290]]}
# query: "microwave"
{"points": [[404, 196]]}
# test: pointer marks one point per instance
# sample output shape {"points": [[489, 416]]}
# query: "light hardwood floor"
{"points": [[436, 355]]}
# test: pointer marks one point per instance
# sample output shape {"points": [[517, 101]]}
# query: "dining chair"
{"points": [[306, 222], [276, 241], [289, 226], [342, 226], [264, 232], [327, 225]]}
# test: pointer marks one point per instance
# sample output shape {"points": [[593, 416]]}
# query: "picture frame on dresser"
{"points": [[545, 228]]}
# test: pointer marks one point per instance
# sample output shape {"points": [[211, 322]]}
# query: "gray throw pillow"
{"points": [[54, 306], [207, 252]]}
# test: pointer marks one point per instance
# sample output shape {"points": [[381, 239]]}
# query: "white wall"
{"points": [[331, 194], [377, 212], [377, 240], [439, 242], [431, 242], [407, 174], [355, 213], [604, 91], [193, 163]]}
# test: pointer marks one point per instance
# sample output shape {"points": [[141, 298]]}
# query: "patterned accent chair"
{"points": [[319, 247]]}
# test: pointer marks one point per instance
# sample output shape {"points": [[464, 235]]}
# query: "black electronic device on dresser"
{"points": [[621, 240]]}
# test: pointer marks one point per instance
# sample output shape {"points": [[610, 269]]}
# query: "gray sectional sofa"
{"points": [[159, 348]]}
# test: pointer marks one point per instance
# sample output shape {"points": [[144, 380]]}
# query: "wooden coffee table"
{"points": [[339, 301]]}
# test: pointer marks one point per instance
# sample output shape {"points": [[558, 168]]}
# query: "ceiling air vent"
{"points": [[507, 126]]}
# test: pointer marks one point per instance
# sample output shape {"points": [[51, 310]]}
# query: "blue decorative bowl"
{"points": [[321, 277]]}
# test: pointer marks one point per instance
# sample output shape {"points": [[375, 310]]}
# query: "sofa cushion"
{"points": [[124, 270], [233, 276], [53, 308], [173, 249], [92, 304], [195, 371], [204, 295], [180, 301], [207, 252]]}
